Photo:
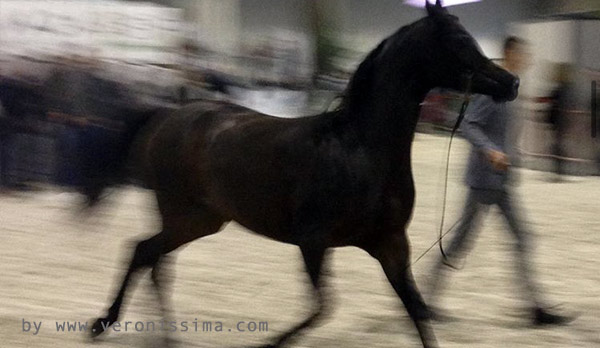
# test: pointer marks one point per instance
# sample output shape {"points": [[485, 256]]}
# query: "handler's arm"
{"points": [[473, 127]]}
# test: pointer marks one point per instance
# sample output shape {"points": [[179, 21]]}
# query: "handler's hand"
{"points": [[498, 159]]}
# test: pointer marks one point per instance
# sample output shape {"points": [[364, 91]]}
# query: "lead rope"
{"points": [[442, 234], [461, 115]]}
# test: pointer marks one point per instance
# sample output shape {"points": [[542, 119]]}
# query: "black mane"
{"points": [[361, 83], [362, 80]]}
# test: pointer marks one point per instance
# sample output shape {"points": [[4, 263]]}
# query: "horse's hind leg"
{"points": [[178, 229], [147, 253], [159, 281], [393, 252], [313, 257]]}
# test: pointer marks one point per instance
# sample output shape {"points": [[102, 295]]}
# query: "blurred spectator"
{"points": [[21, 109], [4, 148], [86, 105], [557, 115]]}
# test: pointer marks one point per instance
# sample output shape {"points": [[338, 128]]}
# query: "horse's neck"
{"points": [[389, 120]]}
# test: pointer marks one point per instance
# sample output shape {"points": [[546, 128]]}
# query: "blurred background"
{"points": [[64, 62], [70, 70]]}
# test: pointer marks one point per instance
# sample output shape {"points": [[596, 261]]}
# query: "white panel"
{"points": [[491, 47], [219, 24], [550, 42], [590, 55], [114, 29]]}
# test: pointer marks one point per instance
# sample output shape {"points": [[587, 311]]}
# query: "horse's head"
{"points": [[457, 57]]}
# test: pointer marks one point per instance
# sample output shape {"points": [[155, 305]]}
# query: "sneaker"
{"points": [[453, 263], [543, 317]]}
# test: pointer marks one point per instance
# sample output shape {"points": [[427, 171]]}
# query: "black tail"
{"points": [[104, 152]]}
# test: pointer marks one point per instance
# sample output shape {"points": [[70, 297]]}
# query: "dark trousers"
{"points": [[558, 151], [68, 146], [6, 159], [477, 203]]}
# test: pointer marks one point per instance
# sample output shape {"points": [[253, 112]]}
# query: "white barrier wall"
{"points": [[549, 42], [552, 42], [110, 29], [590, 55]]}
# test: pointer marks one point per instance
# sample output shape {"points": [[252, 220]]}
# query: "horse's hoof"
{"points": [[100, 325]]}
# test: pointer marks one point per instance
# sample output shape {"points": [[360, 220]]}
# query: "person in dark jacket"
{"points": [[20, 104], [485, 126], [557, 115], [5, 142], [89, 107]]}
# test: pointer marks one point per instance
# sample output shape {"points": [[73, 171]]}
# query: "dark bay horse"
{"points": [[342, 178]]}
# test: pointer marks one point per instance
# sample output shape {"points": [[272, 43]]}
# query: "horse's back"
{"points": [[264, 172], [184, 148]]}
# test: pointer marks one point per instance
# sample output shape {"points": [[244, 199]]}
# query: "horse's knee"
{"points": [[392, 252], [147, 252]]}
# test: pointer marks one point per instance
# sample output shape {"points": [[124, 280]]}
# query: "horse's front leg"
{"points": [[393, 253], [313, 255]]}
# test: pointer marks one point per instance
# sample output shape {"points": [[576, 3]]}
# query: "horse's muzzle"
{"points": [[514, 90], [496, 82]]}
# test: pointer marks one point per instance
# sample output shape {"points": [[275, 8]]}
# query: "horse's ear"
{"points": [[432, 9], [429, 7]]}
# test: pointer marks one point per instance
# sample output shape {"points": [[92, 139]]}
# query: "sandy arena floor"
{"points": [[56, 266]]}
